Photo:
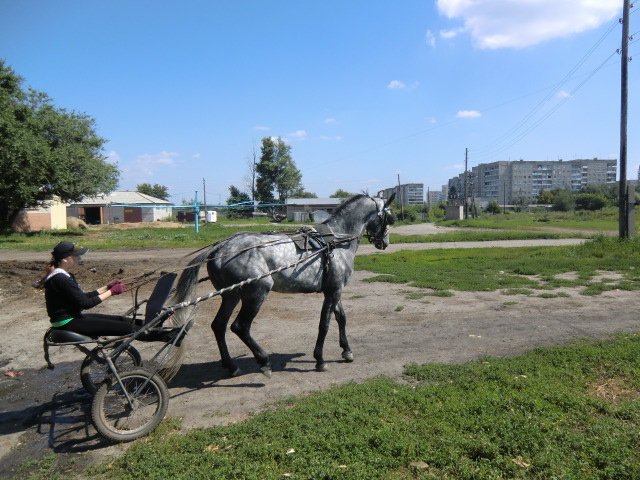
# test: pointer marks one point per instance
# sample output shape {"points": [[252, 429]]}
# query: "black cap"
{"points": [[66, 249]]}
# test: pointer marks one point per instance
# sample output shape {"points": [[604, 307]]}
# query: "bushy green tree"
{"points": [[155, 190], [545, 197], [339, 193], [276, 171], [236, 196], [589, 201], [302, 193], [563, 200], [45, 151], [493, 207]]}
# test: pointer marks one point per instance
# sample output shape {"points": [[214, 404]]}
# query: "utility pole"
{"points": [[400, 199], [196, 209], [623, 203], [464, 208], [204, 199]]}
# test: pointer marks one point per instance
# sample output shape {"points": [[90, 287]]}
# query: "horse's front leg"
{"points": [[341, 318], [331, 299]]}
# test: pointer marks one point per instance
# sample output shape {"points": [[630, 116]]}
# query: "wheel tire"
{"points": [[93, 374], [112, 415]]}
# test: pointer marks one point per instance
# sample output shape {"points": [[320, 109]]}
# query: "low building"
{"points": [[307, 209], [50, 215], [119, 207]]}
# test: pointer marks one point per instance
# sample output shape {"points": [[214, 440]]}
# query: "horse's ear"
{"points": [[391, 198]]}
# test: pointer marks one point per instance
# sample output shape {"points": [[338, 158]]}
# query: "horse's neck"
{"points": [[353, 220]]}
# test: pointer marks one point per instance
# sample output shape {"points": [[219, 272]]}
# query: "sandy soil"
{"points": [[43, 410]]}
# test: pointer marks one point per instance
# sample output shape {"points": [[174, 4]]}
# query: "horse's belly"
{"points": [[297, 282]]}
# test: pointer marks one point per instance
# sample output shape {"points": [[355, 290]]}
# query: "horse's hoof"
{"points": [[266, 371], [347, 356], [321, 367]]}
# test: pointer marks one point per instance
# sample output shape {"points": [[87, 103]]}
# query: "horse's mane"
{"points": [[347, 204]]}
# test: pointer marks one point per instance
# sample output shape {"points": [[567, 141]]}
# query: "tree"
{"points": [[341, 194], [45, 151], [236, 196], [493, 207], [545, 197], [302, 193], [563, 200], [155, 190], [277, 173], [589, 201]]}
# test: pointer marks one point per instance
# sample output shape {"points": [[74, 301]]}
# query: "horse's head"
{"points": [[378, 227]]}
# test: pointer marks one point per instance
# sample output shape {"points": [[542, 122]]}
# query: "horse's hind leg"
{"points": [[252, 299], [219, 327], [341, 318]]}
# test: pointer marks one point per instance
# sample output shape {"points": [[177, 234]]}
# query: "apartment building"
{"points": [[509, 182], [407, 194]]}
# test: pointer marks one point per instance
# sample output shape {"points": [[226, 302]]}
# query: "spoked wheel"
{"points": [[122, 420], [93, 373]]}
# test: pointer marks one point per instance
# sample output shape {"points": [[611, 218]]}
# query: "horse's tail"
{"points": [[186, 283]]}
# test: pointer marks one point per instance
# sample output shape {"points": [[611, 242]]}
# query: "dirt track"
{"points": [[43, 410]]}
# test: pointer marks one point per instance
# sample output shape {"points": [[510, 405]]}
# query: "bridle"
{"points": [[382, 230]]}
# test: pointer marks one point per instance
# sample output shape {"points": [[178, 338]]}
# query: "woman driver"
{"points": [[65, 300]]}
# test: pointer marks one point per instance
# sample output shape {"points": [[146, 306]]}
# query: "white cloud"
{"points": [[396, 84], [468, 114], [563, 94], [298, 134], [147, 164], [431, 120], [261, 128], [196, 155], [329, 120], [454, 32], [457, 166], [113, 157], [337, 138], [430, 38], [517, 24]]}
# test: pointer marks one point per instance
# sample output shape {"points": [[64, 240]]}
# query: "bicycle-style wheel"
{"points": [[121, 420], [93, 372]]}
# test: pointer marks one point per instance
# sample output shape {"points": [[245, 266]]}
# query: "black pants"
{"points": [[99, 324]]}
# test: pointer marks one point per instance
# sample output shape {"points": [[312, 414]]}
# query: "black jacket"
{"points": [[65, 299]]}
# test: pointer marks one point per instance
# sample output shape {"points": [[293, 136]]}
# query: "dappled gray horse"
{"points": [[249, 255]]}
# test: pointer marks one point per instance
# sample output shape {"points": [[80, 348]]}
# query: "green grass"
{"points": [[490, 269], [562, 412], [113, 238], [602, 220], [476, 236]]}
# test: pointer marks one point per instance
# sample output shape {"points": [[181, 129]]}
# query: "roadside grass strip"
{"points": [[601, 220], [570, 412], [479, 236], [115, 238], [514, 270]]}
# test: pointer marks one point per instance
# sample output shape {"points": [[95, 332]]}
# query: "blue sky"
{"points": [[361, 90]]}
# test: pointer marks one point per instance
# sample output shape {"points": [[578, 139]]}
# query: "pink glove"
{"points": [[112, 283], [118, 288]]}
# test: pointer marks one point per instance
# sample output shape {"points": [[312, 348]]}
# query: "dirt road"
{"points": [[43, 410]]}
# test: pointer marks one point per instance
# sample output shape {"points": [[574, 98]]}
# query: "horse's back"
{"points": [[250, 255]]}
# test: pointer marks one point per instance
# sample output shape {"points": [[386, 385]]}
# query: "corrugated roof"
{"points": [[121, 197], [314, 201]]}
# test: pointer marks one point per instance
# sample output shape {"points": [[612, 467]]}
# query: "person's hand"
{"points": [[113, 283], [118, 288]]}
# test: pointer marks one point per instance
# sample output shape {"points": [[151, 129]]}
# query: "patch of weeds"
{"points": [[40, 469], [426, 302], [506, 304], [553, 295], [354, 297], [414, 295], [399, 308], [516, 291], [439, 293]]}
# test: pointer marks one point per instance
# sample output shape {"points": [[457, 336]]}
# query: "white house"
{"points": [[119, 207]]}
